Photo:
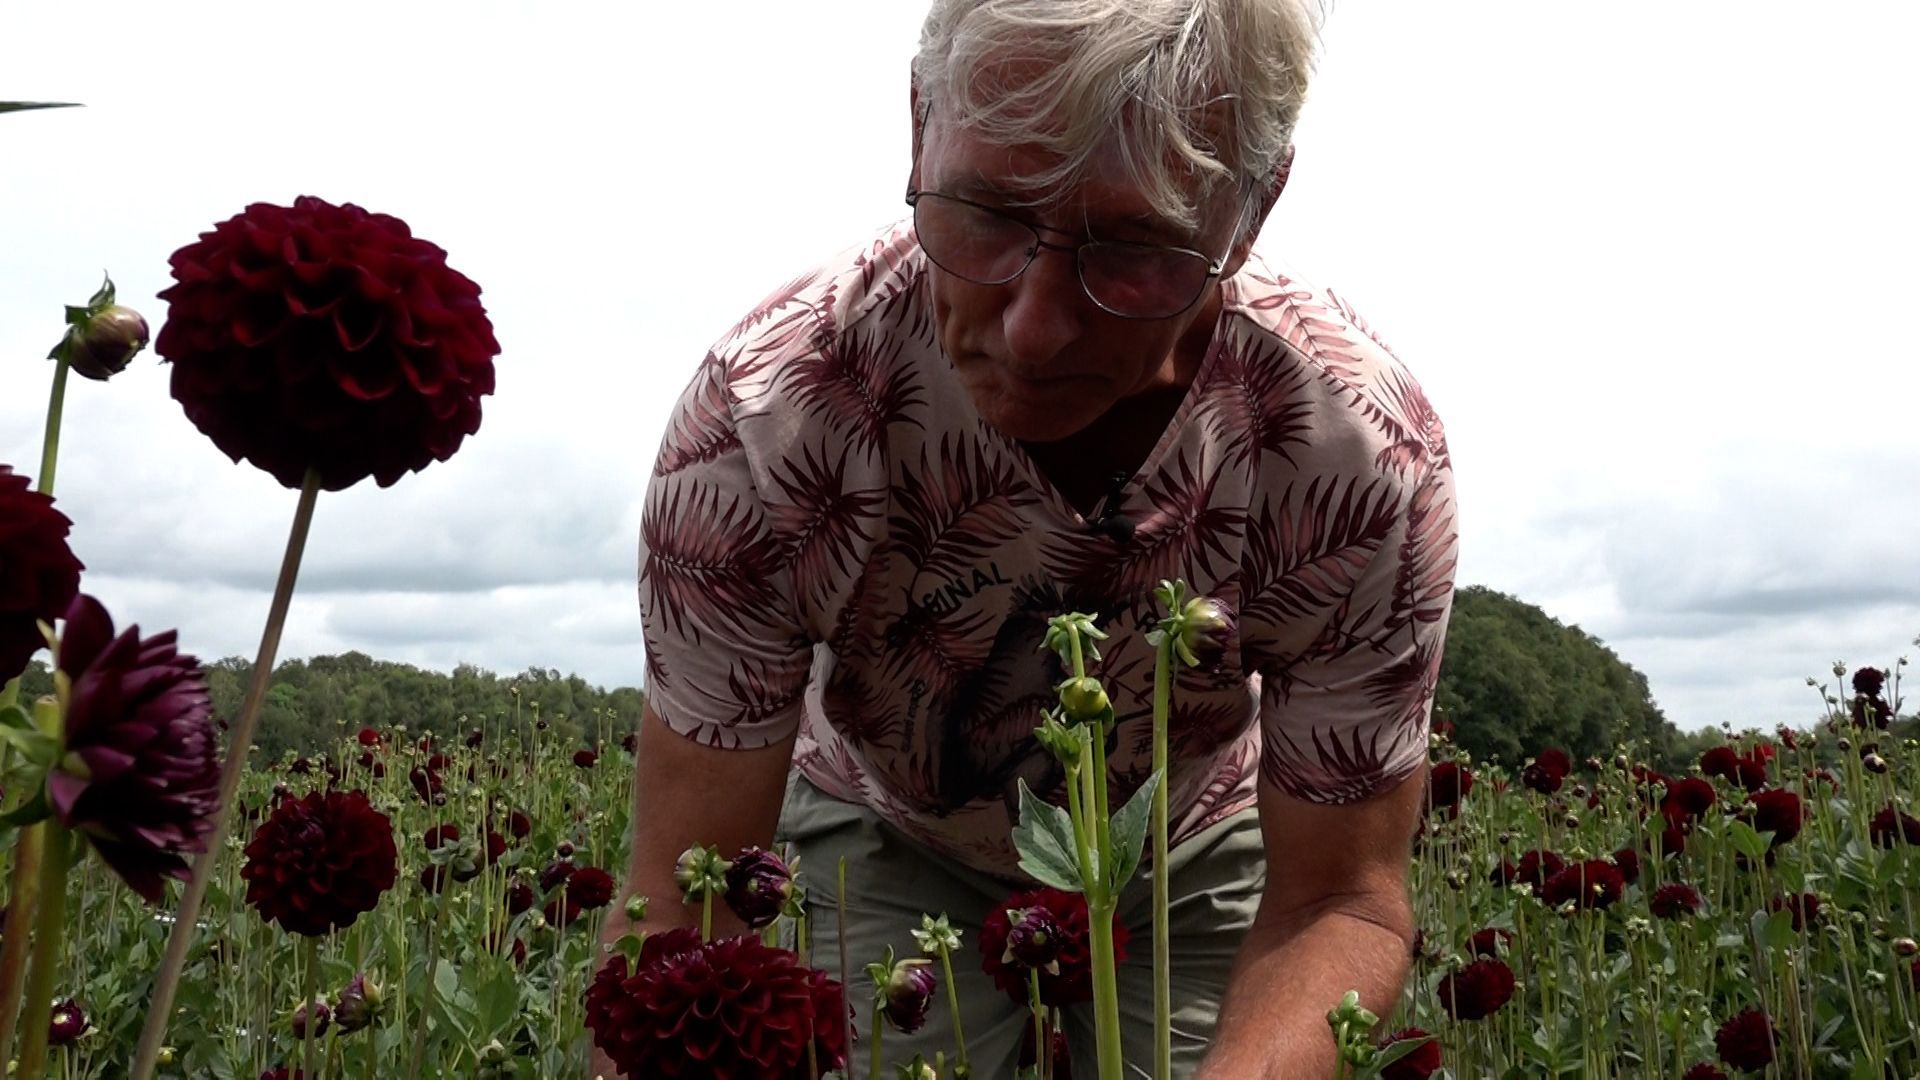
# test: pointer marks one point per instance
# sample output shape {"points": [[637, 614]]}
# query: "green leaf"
{"points": [[29, 812], [34, 745], [1748, 842], [14, 716], [1044, 839], [1393, 1052], [1774, 929], [1129, 832]]}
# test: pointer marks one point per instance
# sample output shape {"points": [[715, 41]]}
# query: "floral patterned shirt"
{"points": [[835, 544]]}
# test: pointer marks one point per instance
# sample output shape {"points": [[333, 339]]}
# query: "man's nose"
{"points": [[1046, 308]]}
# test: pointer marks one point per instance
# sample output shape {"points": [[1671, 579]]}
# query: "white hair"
{"points": [[1187, 95]]}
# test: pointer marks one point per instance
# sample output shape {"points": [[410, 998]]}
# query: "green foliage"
{"points": [[1514, 680], [310, 701]]}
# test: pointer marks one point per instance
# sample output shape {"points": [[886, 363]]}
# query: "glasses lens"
{"points": [[1142, 282], [970, 241]]}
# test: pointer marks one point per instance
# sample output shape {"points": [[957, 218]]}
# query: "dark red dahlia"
{"points": [[585, 759], [1476, 991], [1803, 907], [441, 834], [1868, 681], [39, 577], [1747, 1041], [908, 994], [1595, 883], [326, 337], [427, 784], [1779, 812], [734, 1009], [1628, 860], [1536, 867], [760, 886], [556, 872], [1722, 761], [319, 862], [368, 737], [1548, 771], [141, 774], [519, 824], [1074, 982], [1447, 784], [590, 887], [1891, 826], [519, 897], [1486, 944], [1675, 901], [66, 1024], [1788, 737], [1419, 1065], [1687, 800], [1706, 1070]]}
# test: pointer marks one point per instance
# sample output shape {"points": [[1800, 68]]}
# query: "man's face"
{"points": [[1041, 360]]}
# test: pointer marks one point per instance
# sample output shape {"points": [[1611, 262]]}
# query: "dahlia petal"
{"points": [[63, 793], [87, 631]]}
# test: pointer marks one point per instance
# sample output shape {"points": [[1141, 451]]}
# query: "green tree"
{"points": [[1514, 681]]}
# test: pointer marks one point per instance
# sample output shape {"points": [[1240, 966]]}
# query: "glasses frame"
{"points": [[1215, 266]]}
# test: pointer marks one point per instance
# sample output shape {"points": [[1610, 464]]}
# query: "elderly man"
{"points": [[1063, 379]]}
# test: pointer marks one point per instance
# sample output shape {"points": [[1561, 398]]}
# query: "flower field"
{"points": [[1584, 918]]}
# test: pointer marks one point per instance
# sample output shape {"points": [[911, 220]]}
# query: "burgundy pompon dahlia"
{"points": [[1419, 1065], [326, 337], [320, 862], [1705, 1070], [734, 1009], [1447, 784], [1675, 901], [1594, 883], [1747, 1041], [1073, 984], [1487, 944], [1478, 990], [39, 577], [1778, 811], [141, 774], [1891, 826], [906, 994], [1547, 771], [66, 1023], [760, 887]]}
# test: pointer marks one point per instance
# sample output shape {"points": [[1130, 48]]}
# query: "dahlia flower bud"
{"points": [[1206, 627], [102, 337], [905, 992], [935, 935], [1058, 739], [760, 887], [699, 872], [636, 907], [315, 1013], [1905, 948], [67, 1023], [1875, 764], [1033, 940], [1084, 699], [918, 1069], [357, 1005]]}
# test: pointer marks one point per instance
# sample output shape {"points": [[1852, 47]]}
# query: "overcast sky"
{"points": [[1653, 262]]}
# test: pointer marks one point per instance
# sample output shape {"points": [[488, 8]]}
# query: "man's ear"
{"points": [[1269, 195]]}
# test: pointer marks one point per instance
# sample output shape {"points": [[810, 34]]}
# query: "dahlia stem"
{"points": [[28, 853], [706, 915], [50, 442], [1039, 1013], [953, 1003], [1106, 994], [185, 920], [840, 915], [309, 985], [878, 1067], [1162, 940], [433, 964], [46, 949]]}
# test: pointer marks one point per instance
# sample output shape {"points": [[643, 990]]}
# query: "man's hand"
{"points": [[685, 793], [1334, 917]]}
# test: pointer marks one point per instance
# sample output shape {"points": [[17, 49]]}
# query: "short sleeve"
{"points": [[727, 662], [1346, 718]]}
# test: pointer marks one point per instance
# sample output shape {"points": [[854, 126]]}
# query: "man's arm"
{"points": [[685, 793], [1335, 916]]}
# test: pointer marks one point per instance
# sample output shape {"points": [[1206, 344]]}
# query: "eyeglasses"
{"points": [[988, 246]]}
